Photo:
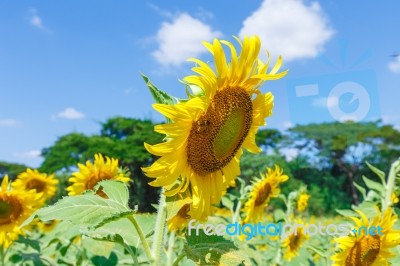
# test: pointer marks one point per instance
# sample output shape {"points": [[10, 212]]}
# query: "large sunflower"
{"points": [[41, 183], [362, 249], [91, 173], [262, 191], [207, 133], [15, 207]]}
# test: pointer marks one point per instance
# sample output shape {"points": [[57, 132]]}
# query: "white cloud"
{"points": [[32, 154], [289, 28], [35, 20], [9, 123], [394, 66], [181, 38], [70, 113], [287, 125]]}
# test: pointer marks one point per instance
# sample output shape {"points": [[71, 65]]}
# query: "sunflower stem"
{"points": [[158, 238], [178, 259], [171, 243], [142, 238], [394, 169], [133, 255], [2, 255], [237, 211]]}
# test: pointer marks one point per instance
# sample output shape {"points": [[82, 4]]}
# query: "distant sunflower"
{"points": [[41, 183], [15, 207], [262, 191], [47, 226], [294, 242], [394, 198], [369, 250], [205, 139], [180, 220], [92, 173], [302, 201]]}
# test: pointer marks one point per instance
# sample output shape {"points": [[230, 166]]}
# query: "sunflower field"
{"points": [[210, 186]]}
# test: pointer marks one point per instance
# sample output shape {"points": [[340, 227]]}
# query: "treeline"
{"points": [[329, 157]]}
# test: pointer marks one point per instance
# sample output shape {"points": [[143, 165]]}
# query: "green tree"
{"points": [[342, 149], [11, 169], [120, 138]]}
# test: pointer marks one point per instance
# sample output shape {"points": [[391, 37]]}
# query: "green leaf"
{"points": [[213, 250], [374, 185], [100, 248], [279, 215], [347, 213], [123, 231], [33, 243], [362, 190], [112, 260], [378, 172], [115, 190], [227, 202], [158, 95], [87, 209]]}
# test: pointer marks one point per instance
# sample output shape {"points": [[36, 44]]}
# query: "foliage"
{"points": [[11, 169], [120, 138]]}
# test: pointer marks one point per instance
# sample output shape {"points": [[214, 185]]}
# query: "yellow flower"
{"points": [[41, 183], [363, 249], [15, 207], [47, 226], [92, 173], [262, 191], [394, 198], [302, 202], [294, 241], [180, 220], [222, 212], [205, 139]]}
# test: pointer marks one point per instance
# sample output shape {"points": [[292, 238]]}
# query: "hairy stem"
{"points": [[159, 230], [394, 169], [170, 251], [142, 238]]}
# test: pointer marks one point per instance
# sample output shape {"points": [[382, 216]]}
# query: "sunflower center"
{"points": [[364, 252], [263, 195], [10, 210], [218, 134], [36, 184], [295, 241], [184, 211]]}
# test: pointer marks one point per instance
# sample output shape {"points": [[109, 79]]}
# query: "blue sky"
{"points": [[66, 66]]}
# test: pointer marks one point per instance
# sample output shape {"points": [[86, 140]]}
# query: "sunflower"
{"points": [[15, 207], [207, 133], [47, 226], [361, 249], [180, 220], [92, 173], [394, 198], [294, 241], [302, 202], [262, 191], [41, 183]]}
